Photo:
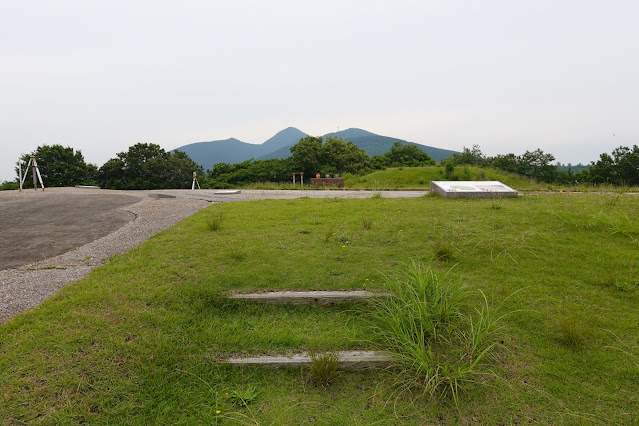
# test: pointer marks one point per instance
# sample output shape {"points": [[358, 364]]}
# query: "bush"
{"points": [[9, 185]]}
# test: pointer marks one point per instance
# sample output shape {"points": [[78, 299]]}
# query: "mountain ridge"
{"points": [[233, 150]]}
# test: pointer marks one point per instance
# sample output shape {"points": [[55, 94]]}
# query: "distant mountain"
{"points": [[370, 142], [283, 139], [223, 151], [378, 145], [232, 151], [235, 151]]}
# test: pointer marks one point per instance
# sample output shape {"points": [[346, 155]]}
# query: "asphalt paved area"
{"points": [[35, 226]]}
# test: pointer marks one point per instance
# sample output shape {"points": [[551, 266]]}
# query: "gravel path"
{"points": [[27, 286]]}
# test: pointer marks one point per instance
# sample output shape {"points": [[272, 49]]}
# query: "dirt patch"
{"points": [[33, 228]]}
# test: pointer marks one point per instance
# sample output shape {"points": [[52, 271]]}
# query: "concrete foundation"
{"points": [[472, 189]]}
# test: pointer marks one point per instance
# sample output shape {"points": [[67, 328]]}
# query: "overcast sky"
{"points": [[510, 75]]}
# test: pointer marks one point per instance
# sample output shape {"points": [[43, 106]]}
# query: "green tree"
{"points": [[148, 166], [307, 155], [469, 156], [534, 164], [60, 166], [313, 155], [379, 162], [340, 156], [620, 168], [508, 162], [223, 175], [402, 154], [538, 165]]}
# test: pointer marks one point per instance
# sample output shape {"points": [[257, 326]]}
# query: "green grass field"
{"points": [[138, 341], [420, 177]]}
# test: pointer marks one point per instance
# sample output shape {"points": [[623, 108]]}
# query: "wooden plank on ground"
{"points": [[322, 298], [348, 360]]}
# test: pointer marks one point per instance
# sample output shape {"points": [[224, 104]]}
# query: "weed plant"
{"points": [[618, 223], [329, 233], [244, 395], [214, 220], [324, 367], [440, 342], [443, 251], [236, 252], [572, 331]]}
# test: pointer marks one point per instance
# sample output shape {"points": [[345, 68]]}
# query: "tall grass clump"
{"points": [[443, 251], [214, 220], [440, 340], [324, 367], [618, 223], [572, 331]]}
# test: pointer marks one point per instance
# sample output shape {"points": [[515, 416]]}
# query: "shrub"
{"points": [[9, 185]]}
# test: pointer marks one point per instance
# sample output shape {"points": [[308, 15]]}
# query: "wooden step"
{"points": [[322, 298], [348, 360]]}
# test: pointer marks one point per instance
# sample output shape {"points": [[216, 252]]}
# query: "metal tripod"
{"points": [[195, 182], [36, 173]]}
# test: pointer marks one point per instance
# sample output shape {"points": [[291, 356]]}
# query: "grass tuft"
{"points": [[618, 223], [443, 251], [572, 331], [329, 233], [236, 252], [324, 367], [214, 220], [439, 341]]}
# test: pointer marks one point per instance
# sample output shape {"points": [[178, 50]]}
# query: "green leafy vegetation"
{"points": [[9, 185], [420, 178], [440, 345], [139, 340], [324, 367], [148, 166], [214, 220], [60, 166], [621, 168], [313, 155]]}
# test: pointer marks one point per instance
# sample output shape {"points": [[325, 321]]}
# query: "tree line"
{"points": [[619, 168], [148, 166]]}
